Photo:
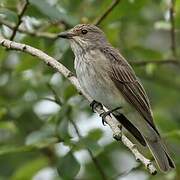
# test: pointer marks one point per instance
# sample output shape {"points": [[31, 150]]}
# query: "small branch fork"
{"points": [[25, 31], [111, 121], [20, 15]]}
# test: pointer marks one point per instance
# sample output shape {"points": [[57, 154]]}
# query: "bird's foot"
{"points": [[94, 104], [107, 113]]}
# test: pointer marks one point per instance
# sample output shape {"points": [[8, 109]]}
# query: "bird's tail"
{"points": [[160, 154]]}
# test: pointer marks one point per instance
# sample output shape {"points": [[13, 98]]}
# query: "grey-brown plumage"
{"points": [[107, 77]]}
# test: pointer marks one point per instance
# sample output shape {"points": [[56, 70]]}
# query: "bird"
{"points": [[107, 77]]}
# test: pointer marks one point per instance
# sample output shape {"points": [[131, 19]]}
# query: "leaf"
{"points": [[95, 134], [68, 166], [26, 62], [69, 92], [3, 112], [87, 143], [65, 109], [150, 68], [46, 9], [8, 15], [63, 129], [7, 131], [175, 134], [95, 148], [28, 170], [41, 137], [8, 149]]}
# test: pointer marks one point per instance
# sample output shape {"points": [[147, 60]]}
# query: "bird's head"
{"points": [[84, 36]]}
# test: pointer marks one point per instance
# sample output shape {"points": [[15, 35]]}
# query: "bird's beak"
{"points": [[66, 35]]}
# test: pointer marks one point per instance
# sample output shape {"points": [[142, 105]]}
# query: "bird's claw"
{"points": [[103, 116], [94, 104], [107, 113]]}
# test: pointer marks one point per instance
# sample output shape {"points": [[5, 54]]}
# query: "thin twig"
{"points": [[20, 15], [110, 120], [158, 62], [106, 12], [40, 34], [57, 98], [94, 159], [172, 31], [49, 99]]}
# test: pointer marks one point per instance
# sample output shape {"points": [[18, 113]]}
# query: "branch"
{"points": [[106, 12], [158, 62], [111, 121], [19, 19], [172, 31], [57, 99], [31, 33]]}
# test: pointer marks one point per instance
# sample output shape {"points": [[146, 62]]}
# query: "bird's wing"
{"points": [[125, 80]]}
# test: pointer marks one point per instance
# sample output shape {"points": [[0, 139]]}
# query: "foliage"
{"points": [[38, 106]]}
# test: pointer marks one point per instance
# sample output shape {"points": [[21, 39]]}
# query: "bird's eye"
{"points": [[84, 31]]}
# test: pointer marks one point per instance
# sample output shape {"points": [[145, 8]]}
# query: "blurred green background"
{"points": [[38, 106]]}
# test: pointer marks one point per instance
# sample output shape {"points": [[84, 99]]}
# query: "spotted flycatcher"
{"points": [[106, 76]]}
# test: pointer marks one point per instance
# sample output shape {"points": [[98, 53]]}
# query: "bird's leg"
{"points": [[107, 113], [94, 104]]}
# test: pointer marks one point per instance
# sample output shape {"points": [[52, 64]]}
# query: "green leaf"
{"points": [[7, 131], [95, 134], [69, 92], [3, 112], [175, 134], [65, 109], [42, 137], [87, 143], [68, 166], [28, 170], [150, 68], [8, 15], [7, 149], [62, 129], [26, 62], [46, 9], [95, 148]]}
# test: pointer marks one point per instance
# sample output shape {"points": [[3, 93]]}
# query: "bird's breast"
{"points": [[92, 73]]}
